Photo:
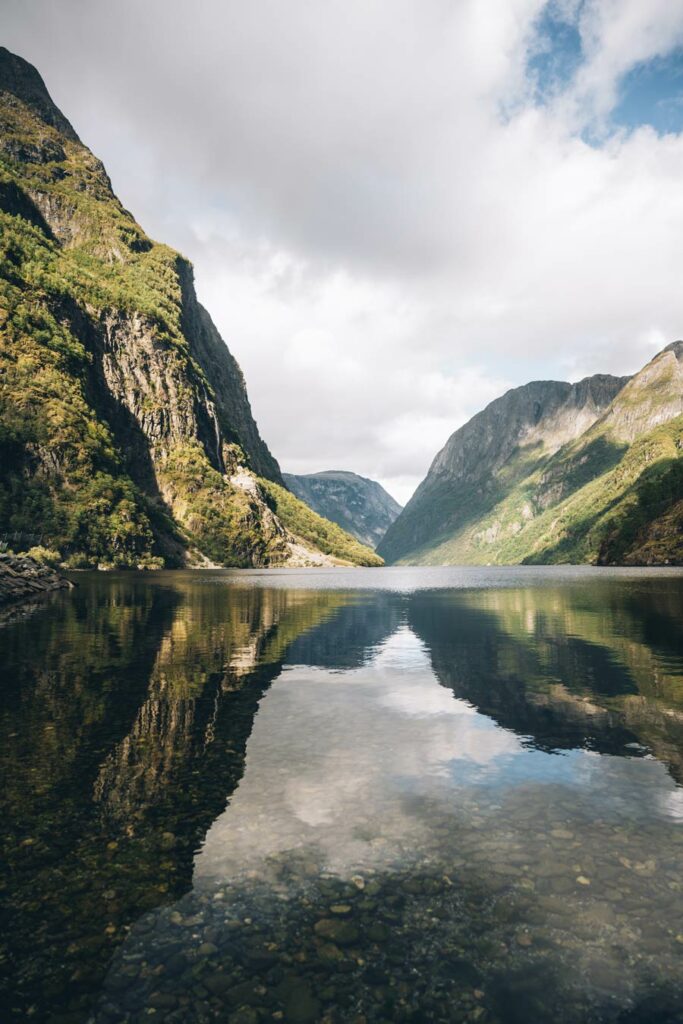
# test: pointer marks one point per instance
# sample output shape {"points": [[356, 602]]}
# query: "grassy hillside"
{"points": [[498, 452], [612, 496], [599, 521]]}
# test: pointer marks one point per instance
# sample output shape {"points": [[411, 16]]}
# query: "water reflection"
{"points": [[125, 711], [452, 804], [596, 667], [334, 762]]}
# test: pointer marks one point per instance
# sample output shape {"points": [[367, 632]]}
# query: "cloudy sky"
{"points": [[396, 209]]}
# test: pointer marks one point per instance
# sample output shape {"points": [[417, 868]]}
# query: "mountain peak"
{"points": [[676, 347], [22, 80]]}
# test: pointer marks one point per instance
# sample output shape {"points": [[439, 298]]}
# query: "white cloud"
{"points": [[617, 35], [381, 247]]}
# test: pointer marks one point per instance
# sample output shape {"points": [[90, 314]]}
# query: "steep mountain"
{"points": [[126, 435], [361, 506], [594, 477], [485, 459]]}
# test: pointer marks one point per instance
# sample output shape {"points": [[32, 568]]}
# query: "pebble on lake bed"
{"points": [[343, 933]]}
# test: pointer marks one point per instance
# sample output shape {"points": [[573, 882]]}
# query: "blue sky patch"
{"points": [[556, 53], [652, 93]]}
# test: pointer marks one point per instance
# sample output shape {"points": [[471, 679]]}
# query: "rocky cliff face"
{"points": [[654, 396], [612, 493], [126, 434], [496, 449], [361, 506]]}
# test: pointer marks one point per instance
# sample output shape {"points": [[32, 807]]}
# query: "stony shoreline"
{"points": [[22, 578]]}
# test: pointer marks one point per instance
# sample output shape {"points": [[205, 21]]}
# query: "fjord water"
{"points": [[374, 795]]}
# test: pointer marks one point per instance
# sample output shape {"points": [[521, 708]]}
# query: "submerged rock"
{"points": [[341, 932]]}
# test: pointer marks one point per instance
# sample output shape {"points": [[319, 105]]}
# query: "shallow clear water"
{"points": [[383, 795]]}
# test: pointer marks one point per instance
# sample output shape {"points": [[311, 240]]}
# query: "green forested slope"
{"points": [[126, 435]]}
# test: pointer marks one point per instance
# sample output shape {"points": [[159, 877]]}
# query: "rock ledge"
{"points": [[22, 577]]}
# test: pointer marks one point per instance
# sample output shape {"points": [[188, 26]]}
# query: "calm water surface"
{"points": [[364, 796]]}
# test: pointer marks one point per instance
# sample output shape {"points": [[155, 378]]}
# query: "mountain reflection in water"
{"points": [[236, 795]]}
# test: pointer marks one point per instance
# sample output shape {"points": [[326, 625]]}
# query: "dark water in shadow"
{"points": [[392, 795]]}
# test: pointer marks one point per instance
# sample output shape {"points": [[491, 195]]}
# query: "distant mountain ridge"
{"points": [[551, 472], [360, 506], [126, 433]]}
